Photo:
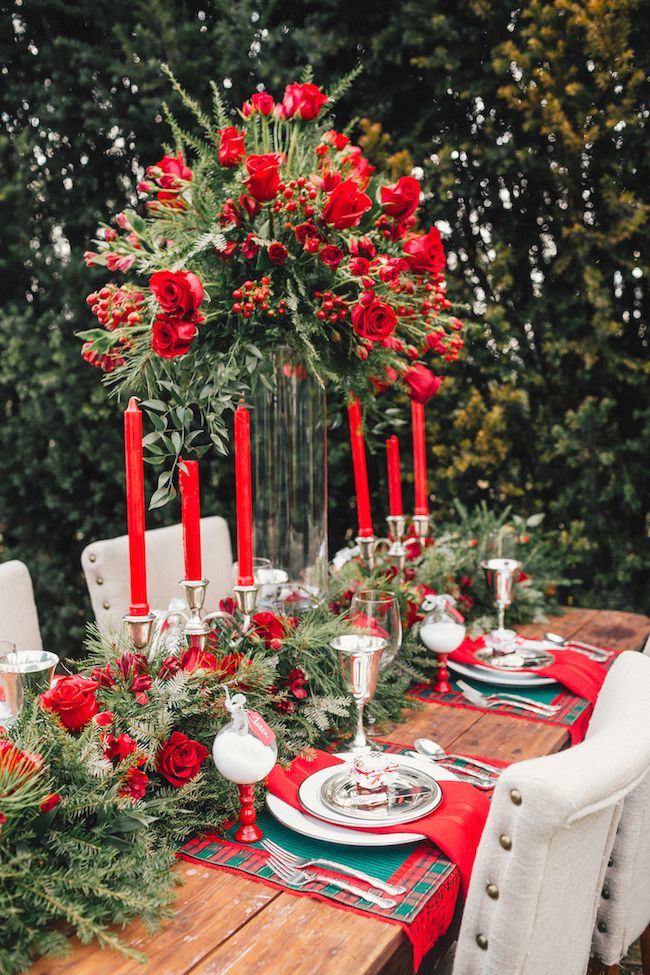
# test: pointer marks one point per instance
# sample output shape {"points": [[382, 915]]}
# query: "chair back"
{"points": [[106, 567], [18, 616], [540, 865], [624, 903]]}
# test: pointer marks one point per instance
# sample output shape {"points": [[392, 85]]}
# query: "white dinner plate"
{"points": [[499, 677], [306, 825]]}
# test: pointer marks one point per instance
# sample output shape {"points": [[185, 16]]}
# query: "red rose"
{"points": [[262, 102], [359, 169], [381, 385], [195, 659], [277, 253], [305, 101], [169, 667], [179, 759], [264, 176], [422, 383], [134, 785], [402, 199], [304, 231], [373, 321], [425, 252], [172, 336], [73, 700], [346, 205], [231, 146], [178, 293], [118, 747], [362, 247], [336, 139], [50, 802], [359, 266], [331, 255], [271, 628]]}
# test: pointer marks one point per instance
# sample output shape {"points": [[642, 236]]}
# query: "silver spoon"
{"points": [[471, 776], [430, 748], [596, 653]]}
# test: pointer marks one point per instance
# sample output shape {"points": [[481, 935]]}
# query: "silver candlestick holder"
{"points": [[396, 552], [422, 525], [140, 629], [367, 546]]}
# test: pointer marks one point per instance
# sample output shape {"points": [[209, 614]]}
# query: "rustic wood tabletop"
{"points": [[228, 925]]}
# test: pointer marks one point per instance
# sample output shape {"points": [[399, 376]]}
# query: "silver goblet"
{"points": [[360, 659], [501, 575]]}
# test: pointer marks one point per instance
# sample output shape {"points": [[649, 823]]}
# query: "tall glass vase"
{"points": [[289, 455]]}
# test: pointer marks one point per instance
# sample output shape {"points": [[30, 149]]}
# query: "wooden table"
{"points": [[228, 925]]}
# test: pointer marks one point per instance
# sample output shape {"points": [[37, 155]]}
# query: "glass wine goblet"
{"points": [[501, 568], [360, 657], [376, 613]]}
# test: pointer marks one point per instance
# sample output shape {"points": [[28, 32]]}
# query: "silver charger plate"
{"points": [[515, 661], [325, 794]]}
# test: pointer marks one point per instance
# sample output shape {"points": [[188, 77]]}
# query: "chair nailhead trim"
{"points": [[482, 941], [605, 893], [92, 558], [99, 581], [492, 891], [106, 605], [515, 796], [602, 927], [505, 841], [610, 862]]}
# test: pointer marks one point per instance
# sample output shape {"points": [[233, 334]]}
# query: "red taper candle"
{"points": [[419, 459], [244, 495], [360, 469], [188, 483], [394, 477], [135, 507]]}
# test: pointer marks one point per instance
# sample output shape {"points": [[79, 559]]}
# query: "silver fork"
{"points": [[301, 878], [292, 860], [513, 700]]}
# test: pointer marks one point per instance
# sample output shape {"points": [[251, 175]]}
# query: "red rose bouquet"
{"points": [[273, 230]]}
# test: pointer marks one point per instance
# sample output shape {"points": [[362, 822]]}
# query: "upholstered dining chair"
{"points": [[624, 903], [540, 865], [106, 568], [18, 615]]}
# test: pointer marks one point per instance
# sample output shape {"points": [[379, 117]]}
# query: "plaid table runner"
{"points": [[432, 882]]}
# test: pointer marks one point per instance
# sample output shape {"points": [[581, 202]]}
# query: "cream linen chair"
{"points": [[106, 568], [624, 903], [540, 865], [18, 616]]}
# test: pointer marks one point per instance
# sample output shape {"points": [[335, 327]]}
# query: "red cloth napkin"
{"points": [[576, 671], [455, 826]]}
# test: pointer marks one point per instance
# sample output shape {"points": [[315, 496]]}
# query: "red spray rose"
{"points": [[179, 293], [331, 255], [134, 785], [231, 146], [73, 700], [401, 200], [425, 252], [422, 383], [262, 102], [50, 802], [174, 172], [305, 101], [297, 683], [271, 628], [336, 139], [179, 759], [250, 248], [346, 205], [359, 266], [362, 247], [172, 336], [277, 253], [264, 176], [103, 719], [170, 666], [373, 321], [118, 748]]}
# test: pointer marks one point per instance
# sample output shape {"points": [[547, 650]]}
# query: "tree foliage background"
{"points": [[529, 128]]}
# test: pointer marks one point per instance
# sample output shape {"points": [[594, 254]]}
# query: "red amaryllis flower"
{"points": [[229, 214], [179, 293], [374, 321], [359, 169], [103, 719], [346, 205], [277, 253], [73, 700], [425, 252], [103, 676], [50, 802], [230, 664], [297, 683], [169, 667], [132, 663], [305, 101], [231, 146], [422, 383], [195, 659], [118, 748], [170, 172], [264, 176], [331, 255], [172, 337], [134, 785], [180, 758], [401, 200]]}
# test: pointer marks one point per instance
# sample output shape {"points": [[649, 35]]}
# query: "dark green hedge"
{"points": [[530, 128]]}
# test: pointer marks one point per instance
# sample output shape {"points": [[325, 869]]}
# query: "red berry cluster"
{"points": [[333, 307], [257, 296], [294, 194], [113, 306], [107, 361]]}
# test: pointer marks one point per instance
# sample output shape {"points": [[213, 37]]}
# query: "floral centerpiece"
{"points": [[274, 230]]}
